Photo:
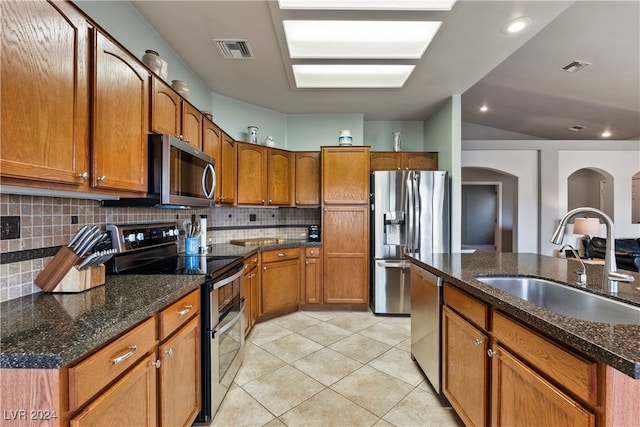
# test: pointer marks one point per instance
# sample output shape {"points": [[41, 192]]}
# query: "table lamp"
{"points": [[587, 227]]}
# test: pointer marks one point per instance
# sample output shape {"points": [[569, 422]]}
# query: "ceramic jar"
{"points": [[253, 134], [397, 144], [180, 87], [156, 64], [345, 138]]}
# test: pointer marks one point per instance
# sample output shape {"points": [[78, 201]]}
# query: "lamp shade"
{"points": [[586, 226]]}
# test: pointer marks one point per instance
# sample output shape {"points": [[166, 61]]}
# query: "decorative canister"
{"points": [[208, 115], [180, 87], [158, 65], [396, 141], [345, 137], [253, 134]]}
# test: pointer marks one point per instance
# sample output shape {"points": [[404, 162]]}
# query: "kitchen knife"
{"points": [[85, 239], [77, 236], [88, 260], [90, 242]]}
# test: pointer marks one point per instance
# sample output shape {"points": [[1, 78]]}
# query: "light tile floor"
{"points": [[332, 369]]}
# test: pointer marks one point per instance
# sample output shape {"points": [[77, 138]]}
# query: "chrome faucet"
{"points": [[610, 277], [582, 276]]}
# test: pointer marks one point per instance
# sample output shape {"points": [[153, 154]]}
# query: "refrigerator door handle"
{"points": [[415, 237], [397, 264], [410, 212]]}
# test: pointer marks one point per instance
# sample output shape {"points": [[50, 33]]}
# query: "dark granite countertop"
{"points": [[48, 331], [227, 249], [616, 345]]}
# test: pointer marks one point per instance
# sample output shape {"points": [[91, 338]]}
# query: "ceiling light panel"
{"points": [[359, 39], [367, 4], [351, 75]]}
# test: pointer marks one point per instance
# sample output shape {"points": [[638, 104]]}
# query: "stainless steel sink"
{"points": [[566, 300]]}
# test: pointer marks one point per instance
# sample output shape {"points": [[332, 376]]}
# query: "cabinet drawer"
{"points": [[468, 307], [172, 317], [572, 372], [312, 252], [92, 374], [252, 261], [279, 255]]}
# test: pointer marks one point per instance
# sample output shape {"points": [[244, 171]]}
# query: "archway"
{"points": [[590, 187]]}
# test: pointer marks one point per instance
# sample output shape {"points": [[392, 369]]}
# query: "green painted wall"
{"points": [[311, 131], [377, 134]]}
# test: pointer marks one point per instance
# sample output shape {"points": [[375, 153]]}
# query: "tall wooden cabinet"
{"points": [[120, 118], [345, 225], [44, 82]]}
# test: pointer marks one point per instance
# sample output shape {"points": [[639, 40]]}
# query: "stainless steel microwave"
{"points": [[180, 176]]}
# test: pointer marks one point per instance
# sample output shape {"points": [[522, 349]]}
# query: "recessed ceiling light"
{"points": [[517, 25], [359, 39], [368, 4], [351, 76], [606, 134], [484, 109]]}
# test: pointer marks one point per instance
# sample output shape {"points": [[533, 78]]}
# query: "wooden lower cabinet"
{"points": [[180, 378], [131, 401], [465, 368], [281, 274], [520, 397], [312, 285]]}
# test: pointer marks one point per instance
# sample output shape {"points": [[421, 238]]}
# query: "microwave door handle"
{"points": [[208, 169]]}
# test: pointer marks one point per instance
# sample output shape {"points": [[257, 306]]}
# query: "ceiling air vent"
{"points": [[234, 49], [576, 128], [576, 66]]}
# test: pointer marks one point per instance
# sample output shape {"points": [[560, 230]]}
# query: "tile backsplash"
{"points": [[45, 223]]}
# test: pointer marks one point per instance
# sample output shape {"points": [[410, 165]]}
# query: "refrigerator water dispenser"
{"points": [[394, 228]]}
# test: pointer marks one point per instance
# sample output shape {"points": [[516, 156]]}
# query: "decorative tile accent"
{"points": [[46, 223]]}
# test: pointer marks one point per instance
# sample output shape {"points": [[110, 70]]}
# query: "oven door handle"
{"points": [[231, 324], [228, 280]]}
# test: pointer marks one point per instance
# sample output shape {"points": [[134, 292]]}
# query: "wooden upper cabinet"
{"points": [[229, 155], [280, 179], [121, 119], [212, 145], [192, 120], [166, 115], [44, 81], [411, 160], [252, 174], [307, 178], [345, 175]]}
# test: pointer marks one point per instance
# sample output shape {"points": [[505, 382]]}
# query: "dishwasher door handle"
{"points": [[397, 264]]}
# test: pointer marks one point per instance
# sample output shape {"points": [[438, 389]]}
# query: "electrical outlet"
{"points": [[252, 217], [10, 227]]}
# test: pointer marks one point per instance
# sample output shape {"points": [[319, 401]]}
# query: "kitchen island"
{"points": [[507, 361]]}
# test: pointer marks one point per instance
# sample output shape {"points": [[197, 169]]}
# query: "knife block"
{"points": [[81, 280]]}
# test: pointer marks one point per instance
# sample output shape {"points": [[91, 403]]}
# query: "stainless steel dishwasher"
{"points": [[426, 307]]}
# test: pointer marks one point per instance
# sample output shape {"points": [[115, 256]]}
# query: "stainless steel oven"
{"points": [[223, 339]]}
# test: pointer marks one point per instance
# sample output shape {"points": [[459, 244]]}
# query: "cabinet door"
{"points": [[280, 177], [228, 176], [465, 368], [280, 285], [165, 108], [121, 119], [246, 293], [384, 161], [313, 278], [307, 178], [345, 241], [192, 125], [180, 392], [132, 401], [212, 145], [44, 81], [252, 174], [519, 396], [345, 175], [419, 161], [256, 294]]}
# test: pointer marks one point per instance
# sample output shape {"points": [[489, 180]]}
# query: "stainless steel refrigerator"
{"points": [[409, 214]]}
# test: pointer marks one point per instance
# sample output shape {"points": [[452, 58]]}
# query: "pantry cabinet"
{"points": [[405, 160], [307, 178], [345, 175], [281, 277], [45, 75], [120, 119]]}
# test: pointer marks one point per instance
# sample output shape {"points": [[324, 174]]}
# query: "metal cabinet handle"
{"points": [[157, 363], [264, 268], [254, 260], [84, 175], [297, 202], [169, 352], [187, 308], [281, 254], [478, 341], [491, 353], [103, 178], [270, 201], [306, 262], [263, 201], [125, 356]]}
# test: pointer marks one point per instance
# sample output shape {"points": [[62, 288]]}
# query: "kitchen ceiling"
{"points": [[518, 77]]}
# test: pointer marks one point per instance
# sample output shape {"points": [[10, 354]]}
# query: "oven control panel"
{"points": [[131, 237]]}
